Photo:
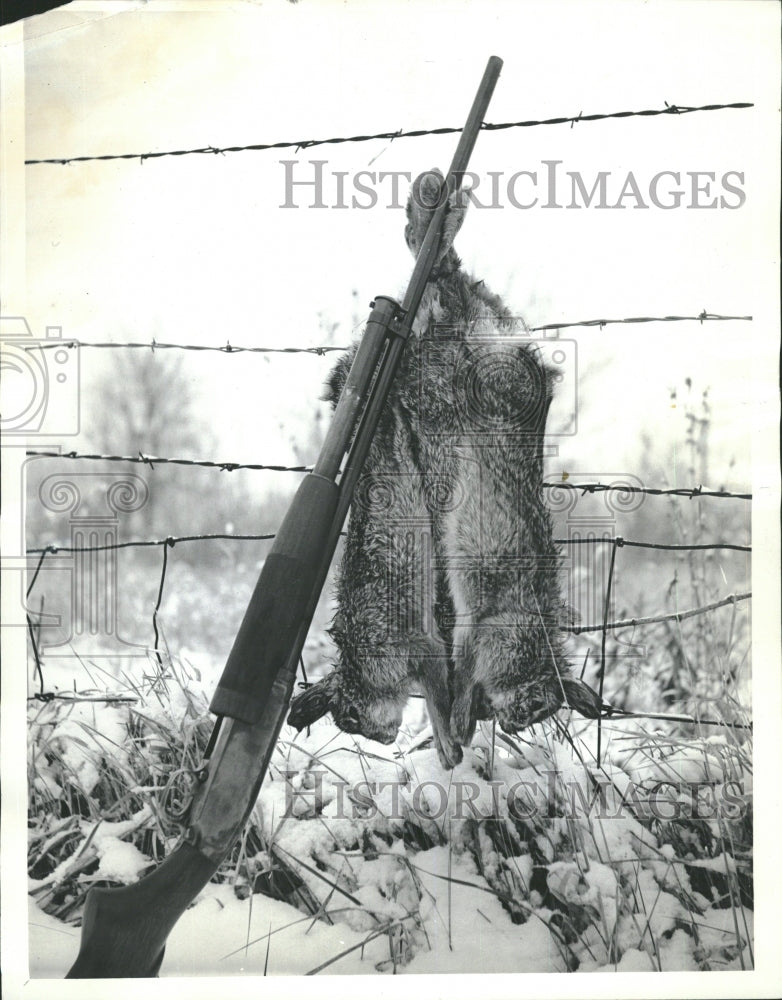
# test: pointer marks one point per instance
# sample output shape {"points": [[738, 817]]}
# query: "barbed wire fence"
{"points": [[604, 627]]}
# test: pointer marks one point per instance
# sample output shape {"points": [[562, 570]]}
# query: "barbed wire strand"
{"points": [[689, 492], [613, 715], [301, 144], [321, 350], [154, 345], [664, 546], [53, 548], [677, 616], [702, 317], [153, 460]]}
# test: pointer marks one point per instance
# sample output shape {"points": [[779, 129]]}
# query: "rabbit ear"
{"points": [[583, 698], [464, 715], [312, 704]]}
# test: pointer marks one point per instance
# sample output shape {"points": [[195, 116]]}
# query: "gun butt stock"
{"points": [[125, 930]]}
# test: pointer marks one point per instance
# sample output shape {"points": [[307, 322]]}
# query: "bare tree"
{"points": [[146, 403]]}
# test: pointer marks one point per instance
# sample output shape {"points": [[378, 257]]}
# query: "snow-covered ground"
{"points": [[504, 863]]}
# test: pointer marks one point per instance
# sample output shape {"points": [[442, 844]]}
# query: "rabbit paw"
{"points": [[425, 197]]}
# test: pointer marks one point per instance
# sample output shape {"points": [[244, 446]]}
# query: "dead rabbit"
{"points": [[449, 579]]}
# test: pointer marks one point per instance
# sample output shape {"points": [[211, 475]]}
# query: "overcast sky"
{"points": [[196, 249]]}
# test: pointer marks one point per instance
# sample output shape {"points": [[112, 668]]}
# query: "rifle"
{"points": [[125, 929]]}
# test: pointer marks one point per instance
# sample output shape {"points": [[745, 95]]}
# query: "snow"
{"points": [[676, 953], [721, 863], [661, 909], [634, 960], [239, 935], [717, 936], [53, 945], [222, 935], [83, 738], [468, 922], [437, 908], [117, 860], [120, 861], [398, 853]]}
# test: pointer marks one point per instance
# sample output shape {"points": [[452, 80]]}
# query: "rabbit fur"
{"points": [[449, 577]]}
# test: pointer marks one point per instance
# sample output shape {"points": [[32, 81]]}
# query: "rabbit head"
{"points": [[513, 671], [520, 707], [355, 708]]}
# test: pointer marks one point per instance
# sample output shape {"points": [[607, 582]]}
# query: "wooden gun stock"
{"points": [[125, 929]]}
